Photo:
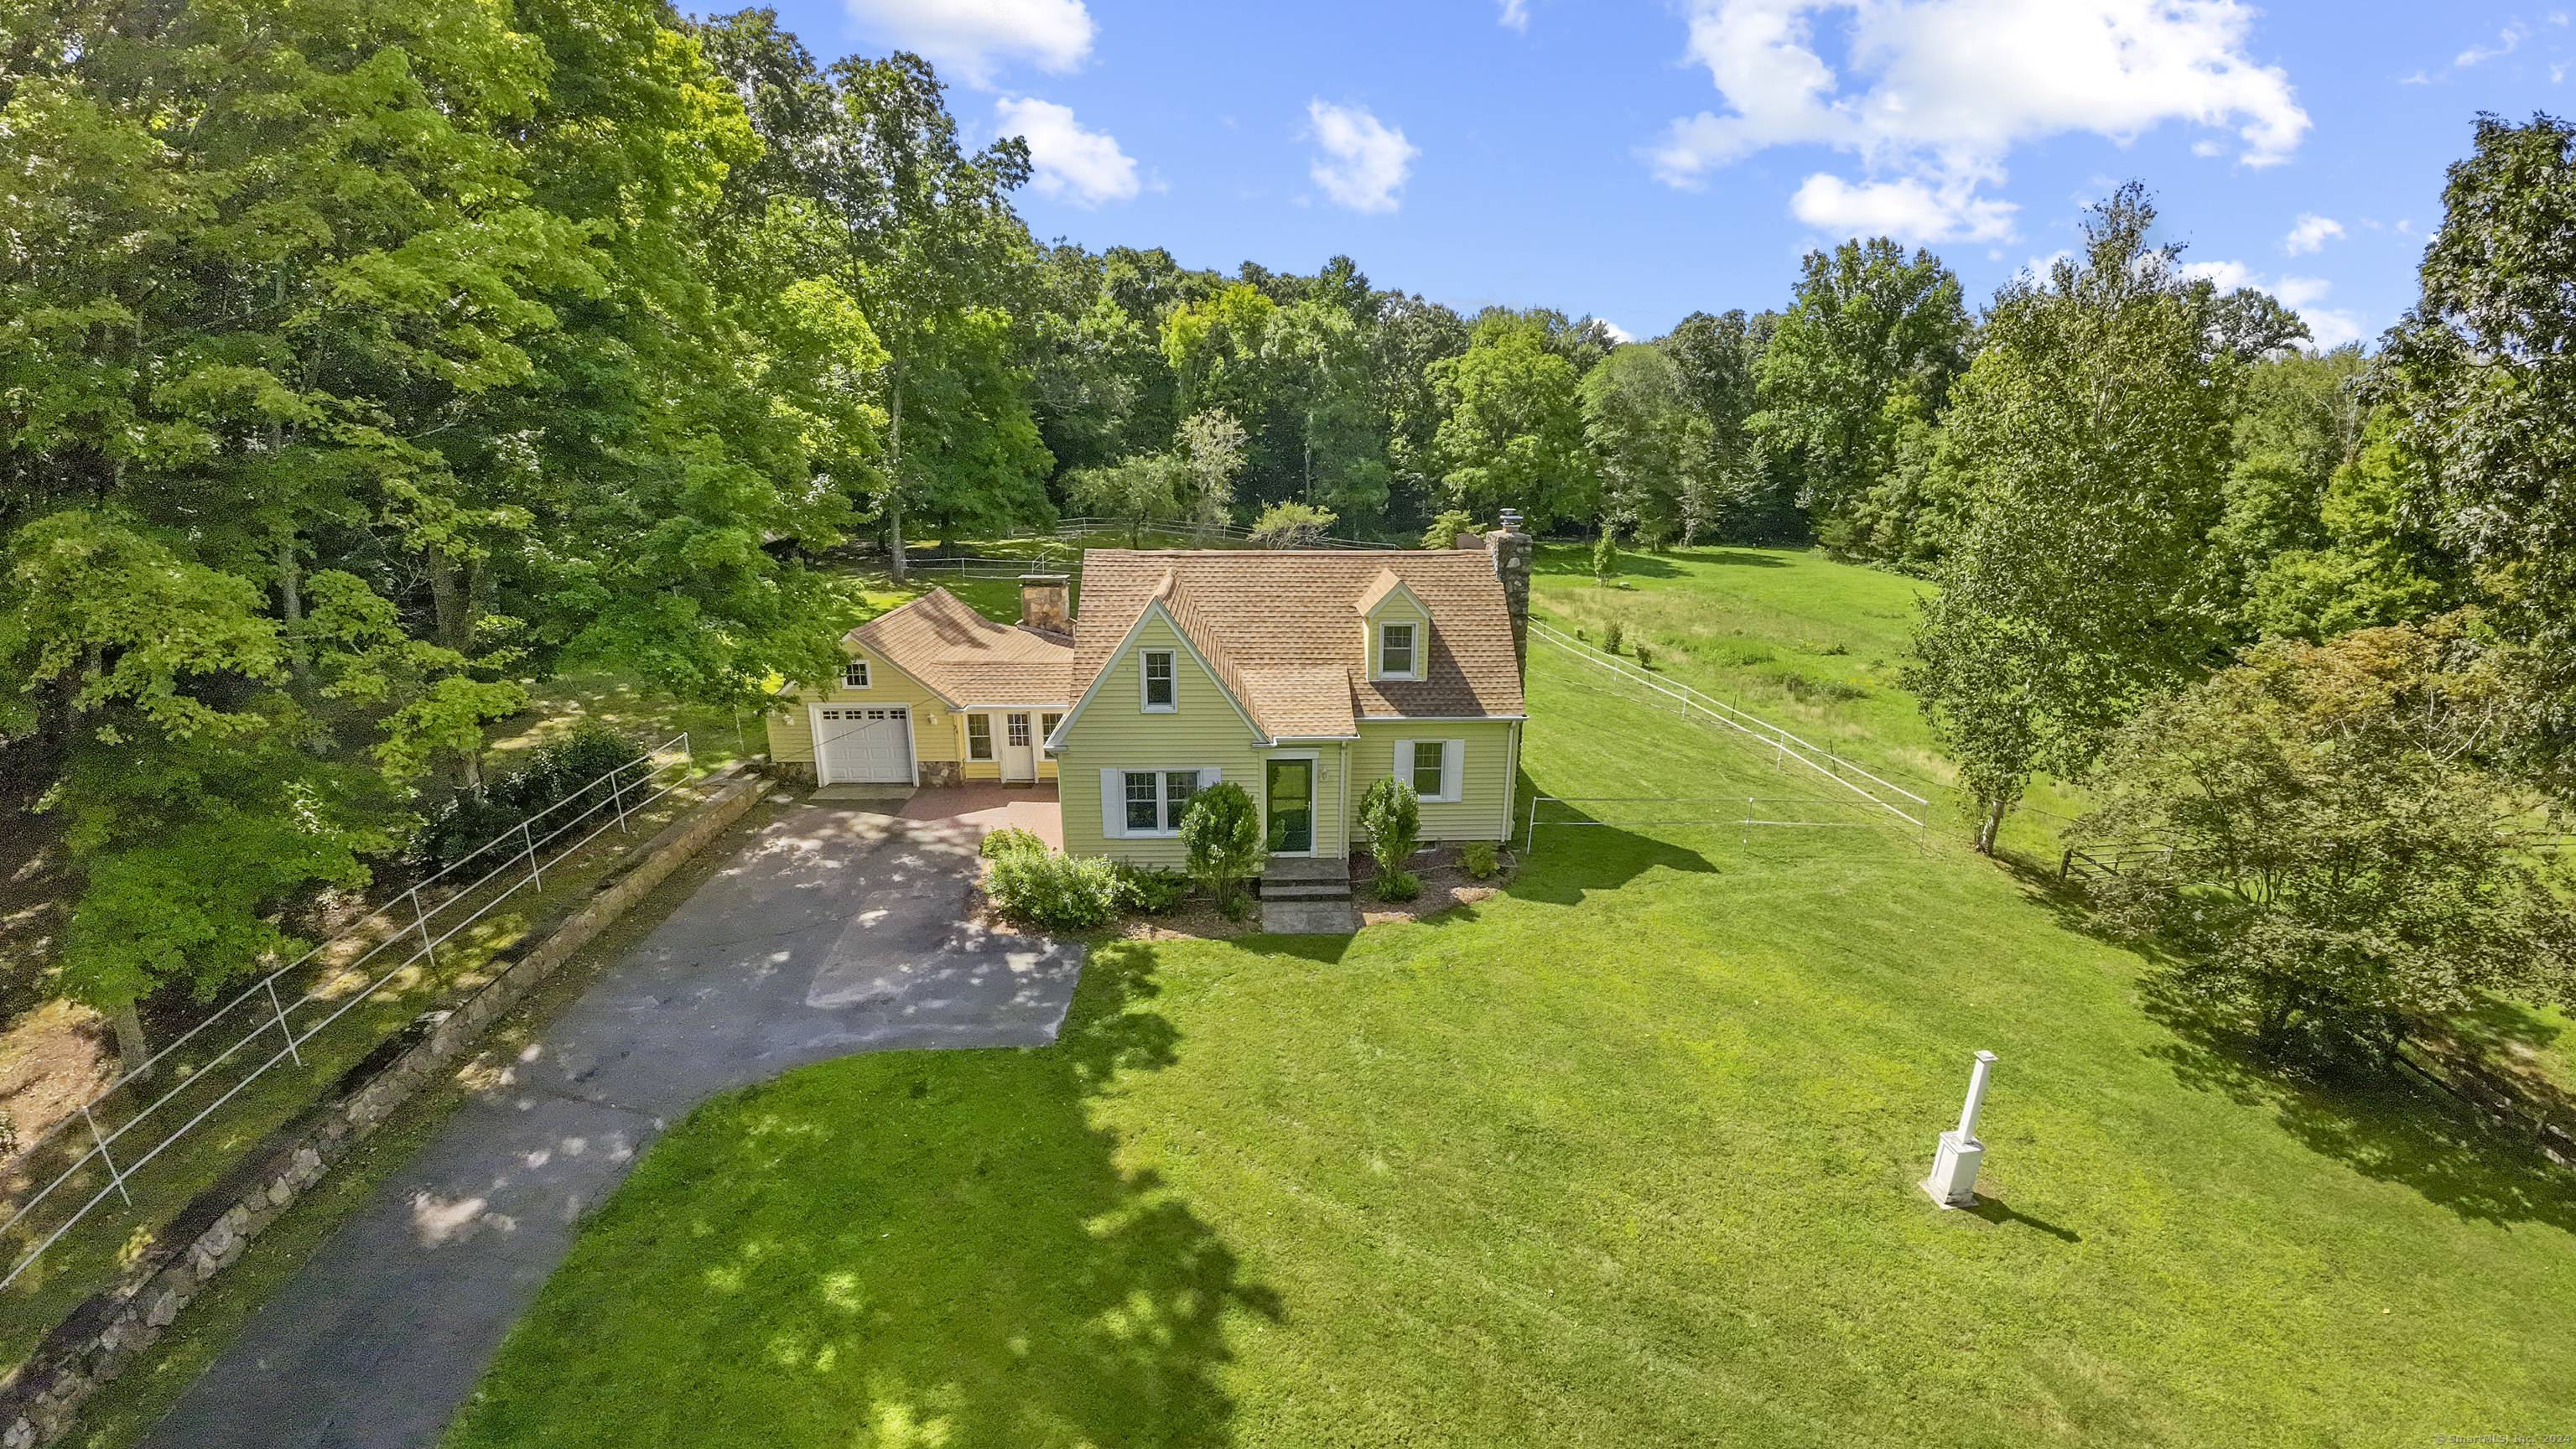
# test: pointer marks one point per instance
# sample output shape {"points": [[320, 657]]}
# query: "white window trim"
{"points": [[1145, 685], [966, 737], [1377, 647], [867, 674], [1453, 769], [1113, 798]]}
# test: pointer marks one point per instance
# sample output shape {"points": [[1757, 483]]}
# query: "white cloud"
{"points": [[2327, 327], [1938, 92], [1617, 332], [1515, 15], [1906, 209], [2331, 329], [2311, 233], [2506, 40], [1075, 165], [971, 37], [1365, 161]]}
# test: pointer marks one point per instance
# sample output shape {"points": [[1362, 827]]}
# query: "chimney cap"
{"points": [[1045, 578], [1511, 520]]}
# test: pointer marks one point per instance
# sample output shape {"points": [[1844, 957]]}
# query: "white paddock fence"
{"points": [[106, 1150], [1867, 798], [1073, 527]]}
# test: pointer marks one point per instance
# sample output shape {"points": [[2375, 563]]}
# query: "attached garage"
{"points": [[863, 745]]}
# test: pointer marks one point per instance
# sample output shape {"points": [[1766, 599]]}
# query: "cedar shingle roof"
{"points": [[968, 659], [1282, 629]]}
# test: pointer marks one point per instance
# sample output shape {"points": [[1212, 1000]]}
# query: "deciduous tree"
{"points": [[2092, 431], [2309, 835]]}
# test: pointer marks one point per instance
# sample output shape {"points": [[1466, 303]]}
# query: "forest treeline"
{"points": [[367, 363]]}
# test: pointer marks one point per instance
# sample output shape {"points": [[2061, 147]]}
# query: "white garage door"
{"points": [[865, 746]]}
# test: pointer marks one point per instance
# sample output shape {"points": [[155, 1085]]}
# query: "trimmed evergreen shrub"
{"points": [[1153, 889], [1476, 857], [1398, 885], [1008, 839], [1054, 892], [1222, 833], [1392, 815]]}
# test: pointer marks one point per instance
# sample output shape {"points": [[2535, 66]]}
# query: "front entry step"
{"points": [[1303, 896], [1320, 891], [1298, 870], [1309, 918]]}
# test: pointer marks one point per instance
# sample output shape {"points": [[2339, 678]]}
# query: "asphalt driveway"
{"points": [[829, 932]]}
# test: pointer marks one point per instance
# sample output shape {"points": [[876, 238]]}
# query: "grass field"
{"points": [[1622, 1157]]}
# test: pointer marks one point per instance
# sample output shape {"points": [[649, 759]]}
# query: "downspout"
{"points": [[1346, 802]]}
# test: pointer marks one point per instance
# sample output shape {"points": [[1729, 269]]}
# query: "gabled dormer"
{"points": [[1395, 629]]}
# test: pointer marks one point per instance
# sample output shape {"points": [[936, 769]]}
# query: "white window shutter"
{"points": [[1453, 771], [1207, 778], [1404, 761], [1113, 804]]}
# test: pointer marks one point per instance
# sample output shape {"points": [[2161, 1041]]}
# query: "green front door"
{"points": [[1292, 806]]}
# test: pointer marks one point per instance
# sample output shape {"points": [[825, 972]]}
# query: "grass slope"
{"points": [[1623, 1157]]}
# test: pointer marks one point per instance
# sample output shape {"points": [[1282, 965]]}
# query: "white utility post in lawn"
{"points": [[1953, 1183]]}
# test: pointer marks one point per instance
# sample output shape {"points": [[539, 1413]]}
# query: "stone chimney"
{"points": [[1510, 551], [1046, 603]]}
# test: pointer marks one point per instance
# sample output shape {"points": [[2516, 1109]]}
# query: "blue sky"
{"points": [[1637, 161]]}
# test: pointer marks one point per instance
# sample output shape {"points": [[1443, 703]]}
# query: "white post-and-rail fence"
{"points": [[1744, 812], [1072, 527], [106, 1153], [1873, 793]]}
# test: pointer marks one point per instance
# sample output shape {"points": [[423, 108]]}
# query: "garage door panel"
{"points": [[871, 745]]}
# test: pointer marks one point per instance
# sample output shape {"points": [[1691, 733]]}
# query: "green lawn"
{"points": [[1623, 1157]]}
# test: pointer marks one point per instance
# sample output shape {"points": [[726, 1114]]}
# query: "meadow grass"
{"points": [[1623, 1156]]}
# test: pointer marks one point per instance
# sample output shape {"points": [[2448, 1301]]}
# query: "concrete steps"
{"points": [[1307, 897]]}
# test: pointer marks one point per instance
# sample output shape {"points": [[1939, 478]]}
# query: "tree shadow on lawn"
{"points": [[2385, 1128], [1575, 860], [1577, 564], [905, 1248]]}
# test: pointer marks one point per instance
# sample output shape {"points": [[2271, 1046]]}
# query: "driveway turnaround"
{"points": [[829, 932]]}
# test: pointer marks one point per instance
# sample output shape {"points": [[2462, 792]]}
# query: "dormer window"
{"points": [[854, 675], [1395, 650], [1159, 691]]}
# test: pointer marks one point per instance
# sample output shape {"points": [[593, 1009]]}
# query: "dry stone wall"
{"points": [[97, 1340]]}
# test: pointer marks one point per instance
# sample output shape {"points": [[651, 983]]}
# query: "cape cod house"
{"points": [[1301, 675]]}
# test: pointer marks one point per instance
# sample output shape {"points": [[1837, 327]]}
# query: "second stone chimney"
{"points": [[1046, 603], [1510, 550]]}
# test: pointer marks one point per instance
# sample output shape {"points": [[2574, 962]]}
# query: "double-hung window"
{"points": [[1144, 801], [979, 737], [1428, 768], [1160, 692], [1047, 724], [854, 675], [1434, 768], [1395, 650], [1156, 799]]}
